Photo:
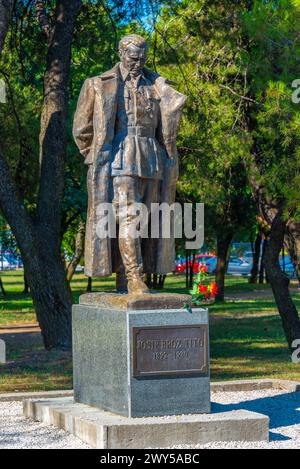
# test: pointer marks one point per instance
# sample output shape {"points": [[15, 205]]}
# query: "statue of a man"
{"points": [[126, 127]]}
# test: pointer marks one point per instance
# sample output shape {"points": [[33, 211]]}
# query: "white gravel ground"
{"points": [[17, 432], [283, 409]]}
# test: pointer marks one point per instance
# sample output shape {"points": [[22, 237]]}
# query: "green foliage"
{"points": [[202, 289], [21, 67], [273, 61], [198, 46], [235, 60], [94, 51]]}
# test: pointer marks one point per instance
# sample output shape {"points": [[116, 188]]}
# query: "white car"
{"points": [[248, 257], [238, 267], [4, 264]]}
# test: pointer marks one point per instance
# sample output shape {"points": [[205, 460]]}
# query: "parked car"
{"points": [[237, 266], [6, 265], [178, 266], [211, 264], [248, 257], [181, 266], [200, 259], [287, 260], [288, 267]]}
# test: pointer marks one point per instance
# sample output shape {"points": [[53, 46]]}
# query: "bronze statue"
{"points": [[126, 127]]}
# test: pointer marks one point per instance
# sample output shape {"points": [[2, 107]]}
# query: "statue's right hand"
{"points": [[103, 157]]}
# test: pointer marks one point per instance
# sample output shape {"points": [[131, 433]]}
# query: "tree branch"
{"points": [[245, 98], [53, 134], [6, 7], [78, 252], [113, 24], [43, 19]]}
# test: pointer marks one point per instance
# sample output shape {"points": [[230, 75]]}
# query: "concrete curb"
{"points": [[222, 386], [255, 385], [21, 396]]}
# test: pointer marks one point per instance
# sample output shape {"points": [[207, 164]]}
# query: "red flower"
{"points": [[202, 288], [203, 269], [213, 289]]}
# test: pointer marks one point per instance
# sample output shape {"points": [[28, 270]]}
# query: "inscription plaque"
{"points": [[170, 350]]}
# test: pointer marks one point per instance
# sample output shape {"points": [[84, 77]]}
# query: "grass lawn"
{"points": [[247, 340]]}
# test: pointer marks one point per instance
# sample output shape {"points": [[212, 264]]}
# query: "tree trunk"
{"points": [[155, 281], [280, 282], [191, 277], [223, 245], [283, 260], [186, 270], [53, 133], [6, 7], [161, 282], [89, 287], [256, 258], [149, 280], [262, 263], [293, 245], [2, 288], [26, 285], [79, 249], [44, 268], [39, 238], [271, 214], [51, 296]]}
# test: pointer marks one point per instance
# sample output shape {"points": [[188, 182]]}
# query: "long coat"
{"points": [[93, 130]]}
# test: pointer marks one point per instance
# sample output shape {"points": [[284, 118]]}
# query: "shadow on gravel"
{"points": [[283, 410]]}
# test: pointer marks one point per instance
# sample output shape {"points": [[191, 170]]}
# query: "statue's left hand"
{"points": [[172, 151]]}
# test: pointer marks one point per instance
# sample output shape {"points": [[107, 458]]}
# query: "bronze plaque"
{"points": [[170, 350]]}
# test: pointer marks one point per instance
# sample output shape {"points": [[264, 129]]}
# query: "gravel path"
{"points": [[283, 409], [16, 432], [257, 294]]}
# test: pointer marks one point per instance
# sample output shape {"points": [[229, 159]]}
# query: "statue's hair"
{"points": [[134, 39]]}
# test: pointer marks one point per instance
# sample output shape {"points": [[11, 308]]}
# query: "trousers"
{"points": [[129, 191]]}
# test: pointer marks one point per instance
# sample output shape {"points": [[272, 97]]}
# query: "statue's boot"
{"points": [[130, 249], [136, 286]]}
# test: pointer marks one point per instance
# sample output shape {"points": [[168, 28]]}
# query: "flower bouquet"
{"points": [[203, 291]]}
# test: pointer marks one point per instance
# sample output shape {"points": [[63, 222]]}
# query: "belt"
{"points": [[138, 132]]}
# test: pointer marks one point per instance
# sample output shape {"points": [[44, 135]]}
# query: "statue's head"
{"points": [[133, 51]]}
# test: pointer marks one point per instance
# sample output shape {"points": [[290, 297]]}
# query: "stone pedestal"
{"points": [[141, 378], [135, 357], [103, 430]]}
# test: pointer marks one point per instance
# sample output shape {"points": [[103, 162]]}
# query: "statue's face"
{"points": [[134, 59]]}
